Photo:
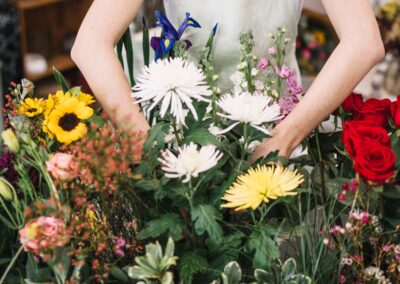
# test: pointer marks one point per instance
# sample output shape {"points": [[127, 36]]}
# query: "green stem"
{"points": [[321, 165], [3, 278]]}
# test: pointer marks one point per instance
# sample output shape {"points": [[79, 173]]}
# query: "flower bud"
{"points": [[10, 140], [6, 192]]}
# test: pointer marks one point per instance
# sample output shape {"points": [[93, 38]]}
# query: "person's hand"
{"points": [[276, 143]]}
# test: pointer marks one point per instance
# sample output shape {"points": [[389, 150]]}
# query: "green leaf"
{"points": [[148, 185], [146, 44], [170, 223], [75, 91], [156, 136], [263, 277], [263, 247], [298, 279], [60, 80], [205, 220], [202, 137], [119, 274], [232, 273], [289, 268], [127, 38], [190, 264], [392, 192]]}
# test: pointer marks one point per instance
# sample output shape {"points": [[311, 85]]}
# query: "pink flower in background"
{"points": [[287, 104], [306, 53], [43, 234], [272, 51], [313, 44], [263, 64], [61, 166]]}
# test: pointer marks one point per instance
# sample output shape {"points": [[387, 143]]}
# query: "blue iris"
{"points": [[164, 44]]}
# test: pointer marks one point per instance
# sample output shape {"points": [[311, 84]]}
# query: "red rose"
{"points": [[376, 112], [395, 112], [353, 104], [375, 162], [358, 132]]}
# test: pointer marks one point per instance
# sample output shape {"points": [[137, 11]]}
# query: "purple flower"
{"points": [[263, 64], [7, 168]]}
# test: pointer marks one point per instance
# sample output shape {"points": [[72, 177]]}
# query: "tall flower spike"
{"points": [[172, 83]]}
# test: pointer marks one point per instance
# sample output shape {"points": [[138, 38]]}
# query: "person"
{"points": [[359, 49]]}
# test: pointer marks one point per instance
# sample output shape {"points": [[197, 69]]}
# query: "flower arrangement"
{"points": [[315, 43], [89, 203]]}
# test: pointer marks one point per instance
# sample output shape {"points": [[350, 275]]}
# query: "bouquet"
{"points": [[84, 202]]}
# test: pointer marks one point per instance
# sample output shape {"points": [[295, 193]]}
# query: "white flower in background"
{"points": [[190, 161], [376, 274], [172, 83], [252, 147], [247, 108], [214, 130]]}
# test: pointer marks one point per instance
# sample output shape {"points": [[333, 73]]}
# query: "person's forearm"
{"points": [[108, 82], [349, 63], [94, 54]]}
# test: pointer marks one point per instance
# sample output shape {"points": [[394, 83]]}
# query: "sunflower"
{"points": [[31, 107], [261, 184], [63, 119], [86, 98]]}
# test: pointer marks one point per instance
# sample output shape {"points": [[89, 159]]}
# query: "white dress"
{"points": [[235, 17]]}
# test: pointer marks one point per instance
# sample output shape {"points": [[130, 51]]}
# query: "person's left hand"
{"points": [[275, 143]]}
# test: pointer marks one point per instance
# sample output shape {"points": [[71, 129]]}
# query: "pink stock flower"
{"points": [[272, 51], [263, 64], [61, 166], [43, 234], [285, 72]]}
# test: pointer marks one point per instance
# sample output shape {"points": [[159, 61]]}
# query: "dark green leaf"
{"points": [[263, 247], [170, 223], [119, 274], [146, 44], [202, 137], [205, 220], [129, 54], [60, 80], [190, 264], [232, 273]]}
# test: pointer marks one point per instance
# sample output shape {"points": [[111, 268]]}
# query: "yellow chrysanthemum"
{"points": [[261, 184], [31, 107], [64, 118]]}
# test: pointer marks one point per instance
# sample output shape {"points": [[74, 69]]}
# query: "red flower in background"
{"points": [[375, 162], [376, 112], [361, 132], [353, 104], [395, 112]]}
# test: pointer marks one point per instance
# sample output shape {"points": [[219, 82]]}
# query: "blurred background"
{"points": [[36, 35]]}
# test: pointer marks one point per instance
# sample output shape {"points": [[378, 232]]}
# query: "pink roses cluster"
{"points": [[62, 166], [41, 235]]}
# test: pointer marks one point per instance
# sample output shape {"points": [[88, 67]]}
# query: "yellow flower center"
{"points": [[68, 121]]}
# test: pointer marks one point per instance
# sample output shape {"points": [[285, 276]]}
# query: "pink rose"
{"points": [[61, 166], [263, 64]]}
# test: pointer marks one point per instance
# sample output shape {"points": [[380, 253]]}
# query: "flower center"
{"points": [[68, 121], [32, 110]]}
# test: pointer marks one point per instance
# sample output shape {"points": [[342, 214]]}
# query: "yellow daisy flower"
{"points": [[64, 119], [31, 107], [261, 184]]}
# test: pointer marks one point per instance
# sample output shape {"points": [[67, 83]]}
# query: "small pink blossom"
{"points": [[313, 44], [61, 166], [345, 186], [272, 51], [388, 247], [306, 53], [285, 72], [342, 279], [263, 64]]}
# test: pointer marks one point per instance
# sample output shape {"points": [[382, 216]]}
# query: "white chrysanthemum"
{"points": [[172, 83], [190, 161], [256, 110]]}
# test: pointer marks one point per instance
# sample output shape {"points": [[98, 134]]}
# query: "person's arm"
{"points": [[360, 48], [94, 54]]}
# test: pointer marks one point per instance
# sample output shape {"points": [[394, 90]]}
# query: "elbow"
{"points": [[376, 49]]}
